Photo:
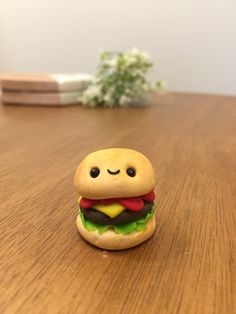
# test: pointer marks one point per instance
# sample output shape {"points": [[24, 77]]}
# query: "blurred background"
{"points": [[192, 43]]}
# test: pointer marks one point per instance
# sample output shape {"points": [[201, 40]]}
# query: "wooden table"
{"points": [[188, 266]]}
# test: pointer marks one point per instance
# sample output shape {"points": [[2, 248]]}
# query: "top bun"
{"points": [[113, 180]]}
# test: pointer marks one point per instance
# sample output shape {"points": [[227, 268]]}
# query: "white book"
{"points": [[52, 99]]}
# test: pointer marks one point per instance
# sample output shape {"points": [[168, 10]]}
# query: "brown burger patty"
{"points": [[124, 217]]}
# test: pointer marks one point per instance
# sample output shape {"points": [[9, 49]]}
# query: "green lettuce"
{"points": [[136, 226]]}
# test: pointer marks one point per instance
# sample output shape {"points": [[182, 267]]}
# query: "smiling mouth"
{"points": [[113, 172]]}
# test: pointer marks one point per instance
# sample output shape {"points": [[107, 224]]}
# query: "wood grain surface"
{"points": [[188, 266]]}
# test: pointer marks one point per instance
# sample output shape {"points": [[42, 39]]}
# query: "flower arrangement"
{"points": [[120, 80]]}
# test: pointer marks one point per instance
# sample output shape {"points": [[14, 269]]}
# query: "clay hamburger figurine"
{"points": [[116, 207]]}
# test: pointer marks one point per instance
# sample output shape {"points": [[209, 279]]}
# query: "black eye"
{"points": [[131, 172], [94, 172]]}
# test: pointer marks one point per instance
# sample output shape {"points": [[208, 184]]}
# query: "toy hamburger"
{"points": [[116, 207]]}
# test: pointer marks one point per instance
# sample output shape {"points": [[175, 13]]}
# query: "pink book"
{"points": [[44, 82]]}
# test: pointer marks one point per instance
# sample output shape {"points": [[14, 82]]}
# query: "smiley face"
{"points": [[114, 173]]}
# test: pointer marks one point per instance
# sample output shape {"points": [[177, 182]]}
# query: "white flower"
{"points": [[124, 100], [93, 91], [112, 63], [134, 51], [131, 60], [143, 56], [108, 98]]}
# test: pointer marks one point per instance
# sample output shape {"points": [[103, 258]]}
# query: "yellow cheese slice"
{"points": [[111, 210]]}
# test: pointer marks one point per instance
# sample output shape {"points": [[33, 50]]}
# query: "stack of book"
{"points": [[43, 89]]}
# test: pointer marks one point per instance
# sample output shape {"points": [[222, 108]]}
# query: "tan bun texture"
{"points": [[114, 241], [106, 185]]}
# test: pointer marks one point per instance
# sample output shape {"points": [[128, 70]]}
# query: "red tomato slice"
{"points": [[132, 203]]}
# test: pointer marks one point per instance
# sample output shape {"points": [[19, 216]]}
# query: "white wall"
{"points": [[192, 42]]}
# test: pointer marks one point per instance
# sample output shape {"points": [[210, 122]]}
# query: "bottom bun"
{"points": [[111, 240]]}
